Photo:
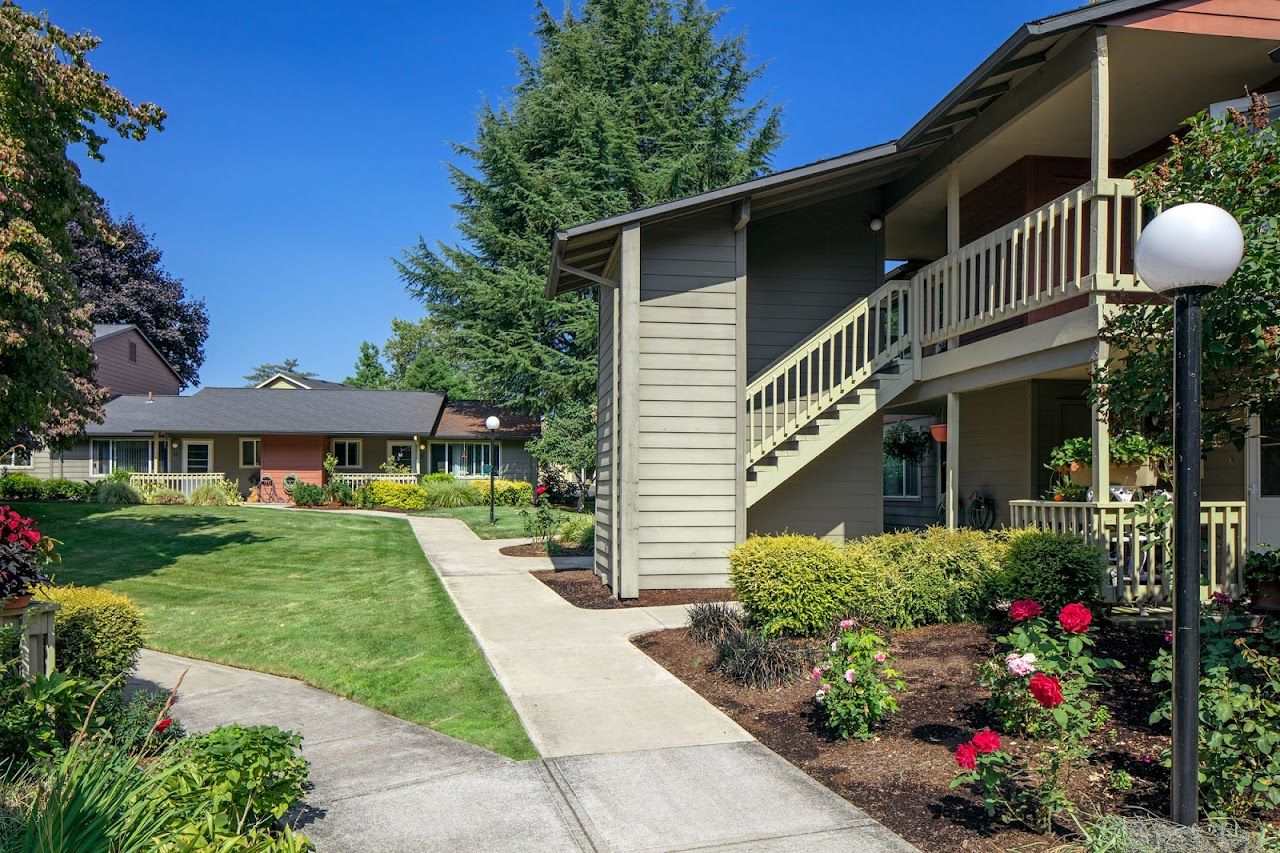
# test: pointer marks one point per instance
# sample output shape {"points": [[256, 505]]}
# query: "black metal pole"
{"points": [[1186, 556], [493, 519]]}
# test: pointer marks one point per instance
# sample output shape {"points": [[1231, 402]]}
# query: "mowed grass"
{"points": [[510, 522], [346, 603]]}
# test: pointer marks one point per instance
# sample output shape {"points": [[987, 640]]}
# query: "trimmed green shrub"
{"points": [[439, 477], [98, 632], [307, 494], [210, 494], [396, 495], [1055, 569], [578, 531], [934, 576], [165, 497], [62, 489], [17, 486], [754, 659], [506, 492], [791, 584], [447, 494], [337, 491], [117, 492]]}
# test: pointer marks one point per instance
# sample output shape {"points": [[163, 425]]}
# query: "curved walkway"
{"points": [[632, 758]]}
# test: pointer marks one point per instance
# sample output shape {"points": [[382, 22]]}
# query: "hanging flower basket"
{"points": [[939, 433]]}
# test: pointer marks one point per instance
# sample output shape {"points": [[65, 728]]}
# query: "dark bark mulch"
{"points": [[538, 549], [581, 588], [901, 776]]}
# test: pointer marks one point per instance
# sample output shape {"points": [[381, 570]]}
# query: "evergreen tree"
{"points": [[267, 369], [369, 370], [628, 103], [416, 361]]}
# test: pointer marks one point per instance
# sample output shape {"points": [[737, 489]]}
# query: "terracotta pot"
{"points": [[18, 602], [1268, 597], [1059, 498], [939, 433]]}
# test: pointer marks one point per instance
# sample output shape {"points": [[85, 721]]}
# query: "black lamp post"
{"points": [[1185, 253], [492, 423]]}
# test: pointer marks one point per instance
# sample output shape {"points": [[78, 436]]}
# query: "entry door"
{"points": [[1264, 483], [197, 457]]}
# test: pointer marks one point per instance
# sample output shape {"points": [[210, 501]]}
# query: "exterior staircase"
{"points": [[827, 386]]}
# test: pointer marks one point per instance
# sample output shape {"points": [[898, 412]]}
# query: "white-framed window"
{"points": [[400, 453], [250, 453], [197, 455], [901, 479], [463, 458], [19, 457], [119, 454], [348, 452]]}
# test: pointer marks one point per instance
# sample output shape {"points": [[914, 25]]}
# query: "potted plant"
{"points": [[23, 553], [1136, 461], [1262, 575], [939, 433], [1065, 490], [905, 442]]}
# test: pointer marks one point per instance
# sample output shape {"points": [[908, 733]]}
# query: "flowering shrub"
{"points": [[856, 683], [23, 553], [1239, 715], [1042, 668]]}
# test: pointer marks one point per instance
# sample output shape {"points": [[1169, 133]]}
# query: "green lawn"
{"points": [[346, 603], [510, 522]]}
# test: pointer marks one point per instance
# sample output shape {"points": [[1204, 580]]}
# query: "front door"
{"points": [[1264, 483], [197, 456]]}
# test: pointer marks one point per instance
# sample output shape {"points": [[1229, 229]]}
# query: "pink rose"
{"points": [[849, 675], [846, 624], [815, 673], [1020, 665], [881, 657]]}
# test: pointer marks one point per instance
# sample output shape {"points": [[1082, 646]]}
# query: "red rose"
{"points": [[1047, 689], [1075, 618], [542, 490], [162, 724], [986, 741], [967, 756], [1024, 609]]}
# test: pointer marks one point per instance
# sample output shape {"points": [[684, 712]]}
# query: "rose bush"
{"points": [[24, 552], [856, 683]]}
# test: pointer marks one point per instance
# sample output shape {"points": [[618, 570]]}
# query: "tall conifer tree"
{"points": [[627, 103]]}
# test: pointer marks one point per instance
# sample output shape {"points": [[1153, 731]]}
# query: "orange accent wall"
{"points": [[302, 455], [1255, 19]]}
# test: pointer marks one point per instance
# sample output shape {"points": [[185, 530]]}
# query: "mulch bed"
{"points": [[537, 549], [901, 777], [581, 588]]}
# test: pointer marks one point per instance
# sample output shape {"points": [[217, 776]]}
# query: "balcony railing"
{"points": [[359, 479], [185, 483], [1137, 550]]}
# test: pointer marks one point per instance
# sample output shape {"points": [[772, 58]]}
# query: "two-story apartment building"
{"points": [[753, 339]]}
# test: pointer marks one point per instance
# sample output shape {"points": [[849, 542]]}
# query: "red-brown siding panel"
{"points": [[300, 455], [116, 373], [1255, 19]]}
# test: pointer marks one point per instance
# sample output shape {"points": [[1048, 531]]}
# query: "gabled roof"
{"points": [[465, 419], [102, 331], [306, 383], [587, 248], [248, 411]]}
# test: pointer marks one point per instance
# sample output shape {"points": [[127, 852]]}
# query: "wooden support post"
{"points": [[1100, 158], [627, 440], [1101, 460], [953, 460]]}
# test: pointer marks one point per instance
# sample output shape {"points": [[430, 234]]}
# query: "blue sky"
{"points": [[306, 144]]}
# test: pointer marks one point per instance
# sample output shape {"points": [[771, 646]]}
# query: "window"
{"points": [[250, 453], [119, 454], [133, 351], [348, 452], [19, 457], [198, 456], [400, 453], [901, 479], [463, 459]]}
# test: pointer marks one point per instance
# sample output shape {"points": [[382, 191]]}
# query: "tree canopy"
{"points": [[1234, 163], [267, 369], [369, 370], [119, 272], [627, 103], [51, 99]]}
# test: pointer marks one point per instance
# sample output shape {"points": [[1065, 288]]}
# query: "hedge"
{"points": [[395, 495], [1053, 568], [506, 492], [17, 486], [97, 632], [792, 584]]}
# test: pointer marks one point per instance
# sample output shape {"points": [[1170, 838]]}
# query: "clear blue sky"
{"points": [[306, 143]]}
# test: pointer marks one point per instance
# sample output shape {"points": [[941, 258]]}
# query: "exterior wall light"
{"points": [[875, 223], [1185, 253]]}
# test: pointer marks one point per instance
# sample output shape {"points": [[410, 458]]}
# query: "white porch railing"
{"points": [[359, 479], [825, 367], [1040, 259], [185, 483], [1138, 560]]}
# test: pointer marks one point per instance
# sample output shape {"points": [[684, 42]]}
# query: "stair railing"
{"points": [[820, 370]]}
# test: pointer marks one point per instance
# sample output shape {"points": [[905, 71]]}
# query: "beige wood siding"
{"points": [[1224, 475], [605, 468], [119, 375], [838, 496], [804, 266], [687, 454], [995, 446]]}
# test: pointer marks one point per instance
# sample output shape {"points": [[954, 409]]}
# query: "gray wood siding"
{"points": [[803, 267], [838, 496], [914, 513], [688, 403], [605, 467], [116, 373], [995, 446]]}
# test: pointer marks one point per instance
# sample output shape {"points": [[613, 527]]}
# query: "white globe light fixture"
{"points": [[1185, 253], [492, 423]]}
